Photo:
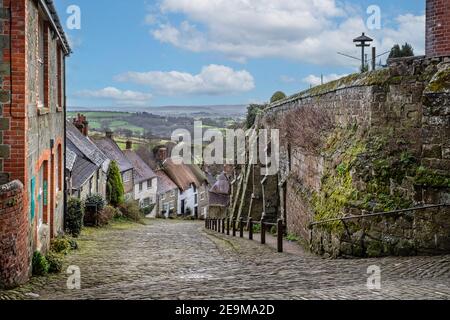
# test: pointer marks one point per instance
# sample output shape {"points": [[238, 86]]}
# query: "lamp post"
{"points": [[363, 42]]}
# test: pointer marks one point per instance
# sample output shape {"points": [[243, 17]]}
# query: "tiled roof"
{"points": [[142, 171], [113, 152], [181, 174], [165, 184], [82, 169], [85, 145]]}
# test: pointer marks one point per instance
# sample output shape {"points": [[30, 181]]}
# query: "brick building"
{"points": [[33, 49], [438, 28]]}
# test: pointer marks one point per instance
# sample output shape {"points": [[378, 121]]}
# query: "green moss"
{"points": [[440, 82], [430, 178]]}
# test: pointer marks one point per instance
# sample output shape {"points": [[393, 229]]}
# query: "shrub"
{"points": [[131, 211], [74, 218], [148, 210], [277, 96], [257, 228], [114, 186], [252, 112], [55, 262], [93, 206], [40, 265], [106, 215], [61, 245]]}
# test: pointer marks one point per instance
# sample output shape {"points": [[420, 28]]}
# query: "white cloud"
{"points": [[119, 96], [315, 80], [309, 30], [212, 80]]}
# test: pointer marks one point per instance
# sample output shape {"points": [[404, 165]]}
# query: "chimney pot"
{"points": [[129, 145], [109, 134]]}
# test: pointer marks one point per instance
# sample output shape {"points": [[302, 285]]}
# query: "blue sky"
{"points": [[198, 52]]}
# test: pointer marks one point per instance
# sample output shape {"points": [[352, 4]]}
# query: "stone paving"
{"points": [[180, 260]]}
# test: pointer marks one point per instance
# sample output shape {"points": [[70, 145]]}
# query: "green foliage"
{"points": [[430, 178], [114, 186], [40, 264], [257, 228], [131, 211], [55, 262], [61, 245], [147, 210], [74, 217], [277, 96], [405, 50], [252, 111], [95, 200], [108, 213], [292, 237]]}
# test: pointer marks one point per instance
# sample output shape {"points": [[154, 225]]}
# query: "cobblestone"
{"points": [[180, 260]]}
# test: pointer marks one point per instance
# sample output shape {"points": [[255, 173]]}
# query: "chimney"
{"points": [[161, 154], [109, 134], [82, 124], [437, 28], [129, 145]]}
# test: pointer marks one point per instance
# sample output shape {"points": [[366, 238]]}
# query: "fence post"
{"points": [[241, 227], [228, 226], [263, 232], [223, 225], [250, 230], [280, 233], [219, 226], [234, 228], [215, 225]]}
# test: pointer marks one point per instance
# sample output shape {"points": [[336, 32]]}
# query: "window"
{"points": [[126, 177], [163, 196], [42, 60], [140, 187], [202, 196], [195, 199], [194, 187], [146, 202], [42, 194], [59, 78], [149, 184]]}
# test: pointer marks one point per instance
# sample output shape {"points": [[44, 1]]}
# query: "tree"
{"points": [[114, 186], [405, 50], [252, 111], [277, 96]]}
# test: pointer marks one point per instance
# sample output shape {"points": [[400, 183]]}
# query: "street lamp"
{"points": [[363, 41]]}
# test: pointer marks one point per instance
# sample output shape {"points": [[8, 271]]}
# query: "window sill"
{"points": [[42, 111]]}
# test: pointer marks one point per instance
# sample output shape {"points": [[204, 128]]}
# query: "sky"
{"points": [[143, 53]]}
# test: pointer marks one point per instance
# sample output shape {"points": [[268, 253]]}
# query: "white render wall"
{"points": [[146, 193], [189, 196]]}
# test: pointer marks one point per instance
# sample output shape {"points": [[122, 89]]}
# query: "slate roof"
{"points": [[54, 16], [113, 152], [181, 174], [165, 184], [222, 185], [85, 145], [216, 199], [82, 169], [142, 172], [70, 159]]}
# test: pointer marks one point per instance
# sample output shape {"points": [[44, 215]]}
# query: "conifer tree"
{"points": [[114, 186]]}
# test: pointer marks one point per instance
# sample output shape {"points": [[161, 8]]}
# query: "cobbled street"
{"points": [[180, 260]]}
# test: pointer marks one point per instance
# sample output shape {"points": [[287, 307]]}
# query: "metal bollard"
{"points": [[223, 225], [280, 233], [263, 232], [228, 226], [218, 225], [250, 230], [241, 227]]}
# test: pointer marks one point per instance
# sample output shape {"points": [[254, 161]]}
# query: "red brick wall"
{"points": [[14, 254], [438, 28]]}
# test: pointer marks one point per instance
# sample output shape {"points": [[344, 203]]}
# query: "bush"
{"points": [[93, 206], [148, 210], [277, 96], [131, 211], [40, 264], [55, 262], [114, 186], [74, 218], [106, 215], [61, 245]]}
